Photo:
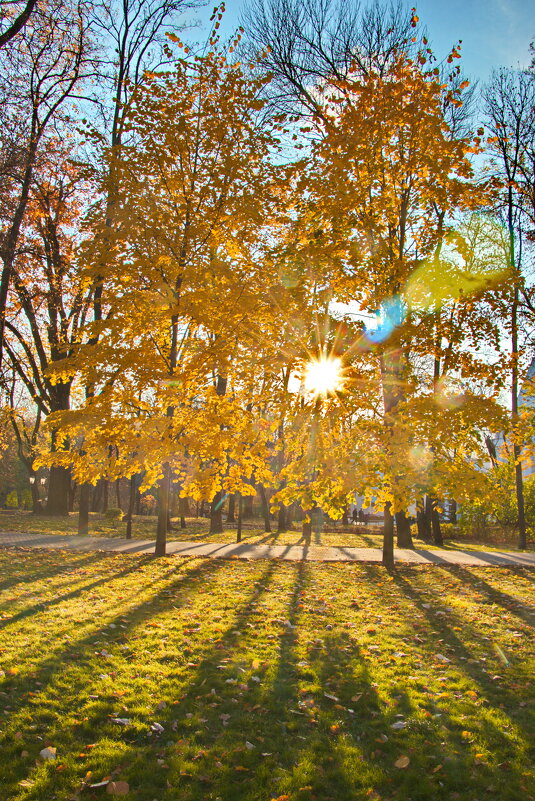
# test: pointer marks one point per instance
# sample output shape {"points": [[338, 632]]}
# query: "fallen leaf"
{"points": [[118, 788], [48, 753], [402, 762]]}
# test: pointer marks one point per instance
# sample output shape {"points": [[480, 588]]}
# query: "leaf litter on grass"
{"points": [[223, 697]]}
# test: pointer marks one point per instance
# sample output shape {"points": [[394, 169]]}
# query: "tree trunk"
{"points": [[240, 517], [59, 485], [72, 495], [105, 495], [435, 523], [118, 493], [265, 508], [519, 478], [282, 521], [307, 526], [183, 510], [248, 509], [163, 512], [422, 521], [137, 505], [403, 529], [37, 506], [95, 499], [83, 509], [216, 513], [428, 512], [132, 489], [345, 516], [388, 538], [231, 518]]}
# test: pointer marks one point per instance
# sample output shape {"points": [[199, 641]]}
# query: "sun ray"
{"points": [[323, 376]]}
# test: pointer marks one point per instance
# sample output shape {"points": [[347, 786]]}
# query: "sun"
{"points": [[323, 376]]}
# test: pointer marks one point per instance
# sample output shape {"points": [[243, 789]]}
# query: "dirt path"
{"points": [[245, 550]]}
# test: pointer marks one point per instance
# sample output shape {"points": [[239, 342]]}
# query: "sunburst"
{"points": [[323, 376]]}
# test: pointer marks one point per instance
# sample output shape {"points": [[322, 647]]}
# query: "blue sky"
{"points": [[495, 33]]}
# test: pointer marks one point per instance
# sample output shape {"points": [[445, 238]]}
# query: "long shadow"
{"points": [[44, 605], [78, 659], [304, 752], [140, 611], [503, 599], [49, 572], [349, 553], [444, 625], [431, 557]]}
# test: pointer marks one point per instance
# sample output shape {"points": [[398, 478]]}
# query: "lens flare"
{"points": [[323, 376]]}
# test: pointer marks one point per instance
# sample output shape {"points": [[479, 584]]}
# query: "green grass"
{"points": [[197, 530], [270, 680]]}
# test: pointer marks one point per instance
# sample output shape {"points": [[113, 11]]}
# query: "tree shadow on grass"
{"points": [[503, 599], [500, 731], [19, 574], [60, 685], [211, 681], [43, 606]]}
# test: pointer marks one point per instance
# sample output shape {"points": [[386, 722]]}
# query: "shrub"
{"points": [[113, 513], [12, 500]]}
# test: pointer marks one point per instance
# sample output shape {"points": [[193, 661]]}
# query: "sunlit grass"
{"points": [[267, 679]]}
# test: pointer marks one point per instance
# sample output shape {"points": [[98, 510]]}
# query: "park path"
{"points": [[244, 550]]}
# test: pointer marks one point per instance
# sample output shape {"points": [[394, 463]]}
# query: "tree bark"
{"points": [[428, 513], [422, 521], [163, 512], [282, 522], [248, 508], [118, 493], [132, 490], [231, 513], [83, 509], [435, 523], [216, 513], [388, 538], [265, 508], [37, 506], [403, 530], [307, 528], [59, 484], [519, 478], [240, 517], [105, 495], [18, 23], [183, 510]]}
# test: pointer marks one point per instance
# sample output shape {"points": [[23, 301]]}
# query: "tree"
{"points": [[50, 297], [16, 23], [510, 117], [192, 193], [383, 183], [42, 69], [306, 44]]}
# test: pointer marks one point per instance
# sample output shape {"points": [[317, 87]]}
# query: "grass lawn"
{"points": [[198, 680], [197, 530]]}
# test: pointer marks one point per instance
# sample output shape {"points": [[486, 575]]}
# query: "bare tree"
{"points": [[39, 72], [17, 21], [306, 42], [49, 300], [510, 115], [132, 34]]}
